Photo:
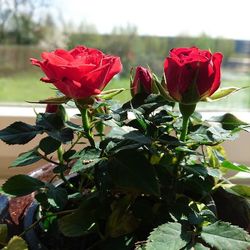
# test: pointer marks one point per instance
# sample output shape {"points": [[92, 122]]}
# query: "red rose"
{"points": [[142, 82], [80, 72], [192, 74]]}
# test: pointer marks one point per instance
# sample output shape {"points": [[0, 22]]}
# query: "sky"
{"points": [[217, 18]]}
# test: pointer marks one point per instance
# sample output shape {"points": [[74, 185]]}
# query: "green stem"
{"points": [[184, 130], [48, 159], [66, 182], [61, 161], [60, 154], [186, 111], [79, 136], [44, 217], [86, 125]]}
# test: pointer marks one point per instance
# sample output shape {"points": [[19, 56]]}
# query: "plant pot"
{"points": [[37, 239], [17, 213], [30, 236]]}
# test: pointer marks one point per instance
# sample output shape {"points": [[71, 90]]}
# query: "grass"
{"points": [[23, 87], [236, 102], [26, 86]]}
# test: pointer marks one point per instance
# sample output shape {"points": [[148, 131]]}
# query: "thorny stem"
{"points": [[186, 111], [48, 159], [60, 154], [61, 162], [203, 154], [58, 164], [45, 217], [86, 126], [79, 136], [184, 130]]}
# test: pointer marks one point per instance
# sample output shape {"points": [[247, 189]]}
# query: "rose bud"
{"points": [[142, 82], [78, 73], [58, 110], [192, 74], [51, 108]]}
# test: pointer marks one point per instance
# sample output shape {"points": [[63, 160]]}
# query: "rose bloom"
{"points": [[78, 73], [142, 82], [192, 74]]}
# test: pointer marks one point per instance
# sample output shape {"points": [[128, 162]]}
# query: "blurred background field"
{"points": [[25, 86], [28, 27]]}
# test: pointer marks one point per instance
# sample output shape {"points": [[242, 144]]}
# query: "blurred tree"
{"points": [[226, 46], [87, 28], [21, 21], [52, 37], [5, 12], [122, 42]]}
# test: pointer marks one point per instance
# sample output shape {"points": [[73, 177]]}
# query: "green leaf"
{"points": [[16, 243], [64, 135], [48, 145], [168, 236], [49, 121], [54, 100], [214, 172], [80, 222], [228, 121], [79, 165], [123, 242], [216, 155], [20, 185], [131, 170], [218, 134], [115, 147], [53, 124], [3, 233], [88, 157], [199, 246], [68, 154], [74, 126], [241, 190], [222, 92], [235, 167], [140, 119], [87, 153], [225, 200], [59, 169], [126, 138], [200, 170], [109, 94], [57, 196], [119, 132], [224, 236], [26, 158], [18, 133], [141, 247]]}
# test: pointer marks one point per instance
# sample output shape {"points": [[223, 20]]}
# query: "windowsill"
{"points": [[27, 110]]}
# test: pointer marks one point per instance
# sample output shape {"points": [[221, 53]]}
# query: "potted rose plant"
{"points": [[142, 175]]}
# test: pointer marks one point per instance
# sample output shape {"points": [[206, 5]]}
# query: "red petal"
{"points": [[47, 80], [35, 62], [217, 60], [64, 54]]}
